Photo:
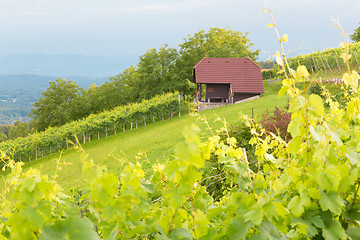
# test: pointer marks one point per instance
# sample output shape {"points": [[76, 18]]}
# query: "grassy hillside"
{"points": [[156, 141]]}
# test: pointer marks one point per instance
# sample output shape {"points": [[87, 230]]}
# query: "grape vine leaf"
{"points": [[334, 231], [331, 201]]}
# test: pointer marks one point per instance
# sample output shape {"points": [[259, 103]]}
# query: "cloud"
{"points": [[35, 13], [176, 5]]}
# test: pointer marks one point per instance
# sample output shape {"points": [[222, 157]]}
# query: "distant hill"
{"points": [[65, 64], [18, 92], [24, 76]]}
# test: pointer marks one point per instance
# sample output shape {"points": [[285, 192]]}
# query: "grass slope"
{"points": [[156, 141]]}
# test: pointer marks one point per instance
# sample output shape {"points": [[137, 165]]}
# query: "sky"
{"points": [[124, 27]]}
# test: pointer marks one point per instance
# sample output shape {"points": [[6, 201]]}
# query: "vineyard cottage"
{"points": [[227, 80]]}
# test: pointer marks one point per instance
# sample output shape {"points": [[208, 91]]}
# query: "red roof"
{"points": [[243, 74]]}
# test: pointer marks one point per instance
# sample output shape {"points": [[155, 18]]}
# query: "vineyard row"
{"points": [[121, 118], [328, 60]]}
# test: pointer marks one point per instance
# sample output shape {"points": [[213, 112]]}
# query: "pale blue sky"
{"points": [[114, 27]]}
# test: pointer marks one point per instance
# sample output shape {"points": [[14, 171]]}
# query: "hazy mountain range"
{"points": [[24, 76], [65, 64]]}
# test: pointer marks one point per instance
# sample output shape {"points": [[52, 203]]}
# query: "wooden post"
{"points": [[106, 132], [84, 137], [131, 126], [322, 62], [98, 135], [327, 63], [123, 128], [356, 60], [136, 124], [337, 61], [312, 68], [314, 63], [319, 65]]}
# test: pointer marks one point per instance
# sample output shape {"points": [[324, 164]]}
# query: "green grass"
{"points": [[335, 73], [156, 141]]}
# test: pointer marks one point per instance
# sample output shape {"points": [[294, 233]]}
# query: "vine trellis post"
{"points": [[322, 63], [356, 60], [337, 62], [314, 64], [328, 64]]}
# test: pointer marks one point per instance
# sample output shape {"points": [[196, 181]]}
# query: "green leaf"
{"points": [[334, 231], [236, 229], [278, 59], [293, 127], [181, 233], [295, 206], [294, 145], [31, 213], [296, 103], [353, 156], [284, 38], [255, 216], [316, 106], [71, 228], [314, 134], [353, 232], [282, 91], [55, 232], [331, 201], [301, 71], [147, 186], [317, 221], [329, 180]]}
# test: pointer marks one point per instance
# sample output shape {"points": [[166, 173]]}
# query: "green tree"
{"points": [[3, 137], [127, 84], [356, 35], [157, 72], [216, 43], [19, 129], [57, 106], [5, 129]]}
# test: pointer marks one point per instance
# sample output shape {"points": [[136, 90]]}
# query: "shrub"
{"points": [[277, 123], [336, 90], [214, 173]]}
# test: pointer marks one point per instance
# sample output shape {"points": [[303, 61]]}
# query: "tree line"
{"points": [[158, 71]]}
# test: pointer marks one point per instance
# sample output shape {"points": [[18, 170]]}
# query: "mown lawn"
{"points": [[156, 141]]}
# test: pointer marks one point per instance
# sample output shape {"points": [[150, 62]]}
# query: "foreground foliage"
{"points": [[307, 188]]}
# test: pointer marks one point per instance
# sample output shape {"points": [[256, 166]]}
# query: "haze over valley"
{"points": [[24, 76]]}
